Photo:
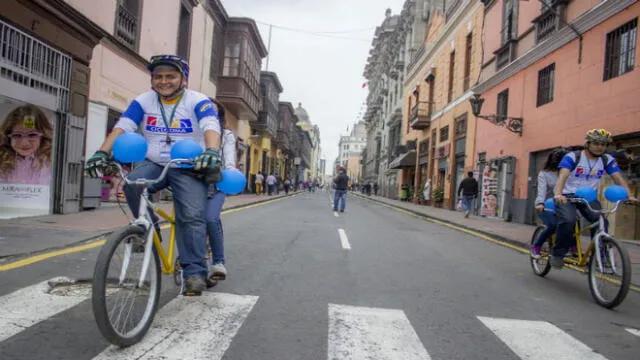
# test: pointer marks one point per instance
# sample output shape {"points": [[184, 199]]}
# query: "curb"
{"points": [[11, 257]]}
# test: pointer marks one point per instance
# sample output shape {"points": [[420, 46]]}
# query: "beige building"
{"points": [[438, 124]]}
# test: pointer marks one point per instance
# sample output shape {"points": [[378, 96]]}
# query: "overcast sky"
{"points": [[324, 73]]}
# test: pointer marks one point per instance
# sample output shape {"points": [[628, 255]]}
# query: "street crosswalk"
{"points": [[205, 327]]}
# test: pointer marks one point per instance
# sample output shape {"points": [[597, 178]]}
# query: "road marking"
{"points": [[97, 243], [539, 340], [344, 240], [194, 328], [635, 332], [30, 305], [372, 333]]}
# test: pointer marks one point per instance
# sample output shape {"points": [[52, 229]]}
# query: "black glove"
{"points": [[210, 159], [96, 164]]}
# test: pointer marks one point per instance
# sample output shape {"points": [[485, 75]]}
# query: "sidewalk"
{"points": [[24, 236], [513, 233]]}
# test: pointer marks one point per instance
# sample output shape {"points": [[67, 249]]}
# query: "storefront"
{"points": [[496, 186], [43, 107]]}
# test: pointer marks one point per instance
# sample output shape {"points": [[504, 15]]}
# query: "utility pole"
{"points": [[269, 47]]}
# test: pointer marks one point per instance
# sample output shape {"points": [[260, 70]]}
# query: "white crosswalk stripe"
{"points": [[195, 328], [372, 333], [635, 332], [28, 306], [539, 340]]}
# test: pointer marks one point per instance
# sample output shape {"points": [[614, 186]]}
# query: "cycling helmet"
{"points": [[598, 135], [174, 61]]}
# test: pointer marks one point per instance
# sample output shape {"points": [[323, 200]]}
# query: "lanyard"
{"points": [[164, 115]]}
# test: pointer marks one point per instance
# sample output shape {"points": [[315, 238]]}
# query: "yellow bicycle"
{"points": [[607, 261], [127, 275]]}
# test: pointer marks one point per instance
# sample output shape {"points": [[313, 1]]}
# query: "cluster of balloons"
{"points": [[613, 193], [132, 147]]}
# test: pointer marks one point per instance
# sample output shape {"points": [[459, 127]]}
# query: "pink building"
{"points": [[563, 70]]}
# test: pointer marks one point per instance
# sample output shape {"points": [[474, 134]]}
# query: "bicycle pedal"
{"points": [[217, 277], [192, 293]]}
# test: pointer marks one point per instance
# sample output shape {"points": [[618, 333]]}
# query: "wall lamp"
{"points": [[513, 124]]}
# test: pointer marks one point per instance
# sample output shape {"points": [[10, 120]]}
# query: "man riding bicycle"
{"points": [[582, 169], [166, 114]]}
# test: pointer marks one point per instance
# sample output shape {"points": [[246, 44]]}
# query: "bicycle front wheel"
{"points": [[123, 308], [609, 285], [541, 265]]}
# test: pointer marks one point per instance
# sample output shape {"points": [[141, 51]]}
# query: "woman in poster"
{"points": [[25, 147]]}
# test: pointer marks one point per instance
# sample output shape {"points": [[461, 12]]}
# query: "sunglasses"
{"points": [[33, 135]]}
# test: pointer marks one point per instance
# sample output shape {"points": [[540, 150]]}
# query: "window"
{"points": [[503, 104], [452, 66], [217, 50], [507, 21], [444, 133], [545, 84], [126, 27], [620, 52], [431, 96], [184, 31], [467, 62], [232, 58], [461, 126]]}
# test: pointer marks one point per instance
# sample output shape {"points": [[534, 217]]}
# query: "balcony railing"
{"points": [[545, 26], [126, 27], [419, 115]]}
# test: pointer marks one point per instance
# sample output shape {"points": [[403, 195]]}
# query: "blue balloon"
{"points": [[233, 182], [550, 205], [588, 193], [130, 147], [616, 193], [185, 149]]}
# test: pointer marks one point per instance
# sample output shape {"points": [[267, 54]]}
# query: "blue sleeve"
{"points": [[134, 112], [612, 165], [205, 109], [567, 162]]}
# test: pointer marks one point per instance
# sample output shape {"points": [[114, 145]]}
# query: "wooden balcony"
{"points": [[420, 115], [237, 96]]}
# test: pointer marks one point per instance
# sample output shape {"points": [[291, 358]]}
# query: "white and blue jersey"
{"points": [[194, 115], [587, 172]]}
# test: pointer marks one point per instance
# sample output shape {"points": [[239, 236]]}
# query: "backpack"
{"points": [[578, 155]]}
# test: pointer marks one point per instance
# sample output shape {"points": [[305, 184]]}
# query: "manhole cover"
{"points": [[64, 286]]}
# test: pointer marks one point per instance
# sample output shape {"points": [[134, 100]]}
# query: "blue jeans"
{"points": [[189, 201], [466, 202], [339, 196], [567, 218], [551, 222], [214, 226]]}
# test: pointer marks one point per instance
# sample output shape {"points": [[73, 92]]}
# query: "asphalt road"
{"points": [[305, 283]]}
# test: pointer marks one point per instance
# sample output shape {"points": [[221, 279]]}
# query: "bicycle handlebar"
{"points": [[578, 200], [147, 182]]}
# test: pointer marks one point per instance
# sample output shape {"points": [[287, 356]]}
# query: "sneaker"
{"points": [[342, 211], [194, 286], [218, 272], [535, 251], [556, 261], [466, 214]]}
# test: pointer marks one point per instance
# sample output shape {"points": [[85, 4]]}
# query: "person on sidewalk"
{"points": [[217, 198], [157, 113], [578, 169], [468, 189], [271, 184], [258, 182], [287, 183], [342, 185], [547, 179]]}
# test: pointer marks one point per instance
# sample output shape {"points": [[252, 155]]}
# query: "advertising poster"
{"points": [[489, 196], [26, 147]]}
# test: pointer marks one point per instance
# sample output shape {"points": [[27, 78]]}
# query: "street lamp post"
{"points": [[513, 124]]}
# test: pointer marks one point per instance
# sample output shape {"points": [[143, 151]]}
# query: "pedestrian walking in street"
{"points": [[468, 190], [547, 179], [258, 182], [342, 184]]}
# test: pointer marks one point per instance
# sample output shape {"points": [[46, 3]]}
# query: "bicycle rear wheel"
{"points": [[610, 286], [540, 266], [123, 309]]}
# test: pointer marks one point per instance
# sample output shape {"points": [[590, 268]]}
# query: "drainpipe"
{"points": [[570, 27]]}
